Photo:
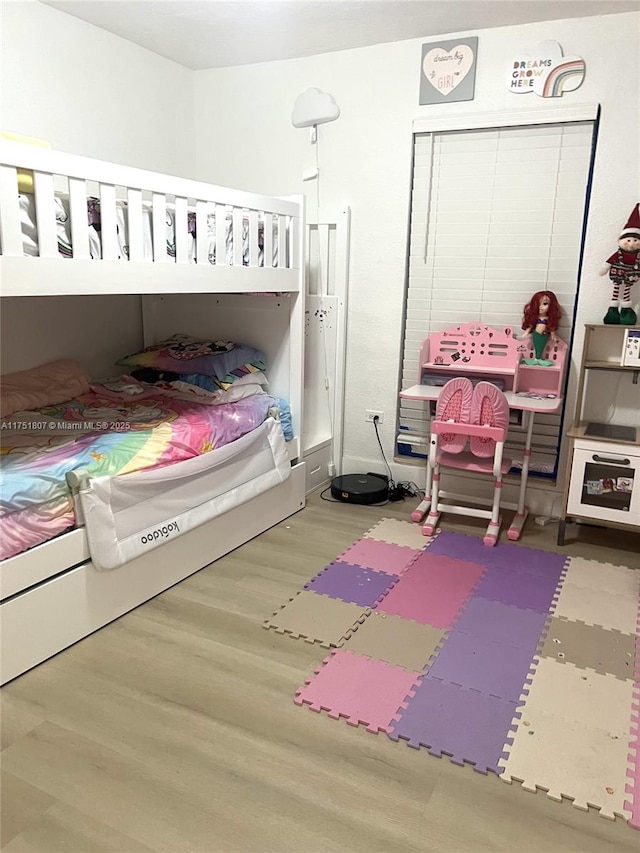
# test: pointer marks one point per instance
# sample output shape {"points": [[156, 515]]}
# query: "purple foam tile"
{"points": [[484, 666], [350, 583], [520, 589], [465, 725], [379, 556], [517, 558], [495, 622]]}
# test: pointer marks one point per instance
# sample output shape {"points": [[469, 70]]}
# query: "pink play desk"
{"points": [[481, 352]]}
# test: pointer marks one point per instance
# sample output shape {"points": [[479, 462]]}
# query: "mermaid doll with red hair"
{"points": [[540, 320]]}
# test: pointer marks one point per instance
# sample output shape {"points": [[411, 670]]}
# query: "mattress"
{"points": [[105, 438], [65, 248]]}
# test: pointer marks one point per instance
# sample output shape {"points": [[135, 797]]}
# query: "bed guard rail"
{"points": [[77, 480]]}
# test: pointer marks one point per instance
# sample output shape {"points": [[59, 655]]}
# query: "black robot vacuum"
{"points": [[360, 488]]}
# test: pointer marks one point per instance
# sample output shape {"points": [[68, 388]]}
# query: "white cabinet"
{"points": [[603, 485]]}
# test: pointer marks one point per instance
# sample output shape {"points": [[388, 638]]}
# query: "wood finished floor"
{"points": [[173, 729]]}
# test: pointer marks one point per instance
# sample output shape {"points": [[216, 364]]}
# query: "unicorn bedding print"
{"points": [[103, 437]]}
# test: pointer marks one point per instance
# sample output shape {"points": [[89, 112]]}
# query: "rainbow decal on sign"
{"points": [[546, 72], [562, 77]]}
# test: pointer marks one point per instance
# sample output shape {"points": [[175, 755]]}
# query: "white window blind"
{"points": [[496, 215]]}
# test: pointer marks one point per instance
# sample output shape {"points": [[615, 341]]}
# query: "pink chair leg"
{"points": [[515, 531], [429, 527], [425, 504], [432, 519], [493, 531], [420, 511]]}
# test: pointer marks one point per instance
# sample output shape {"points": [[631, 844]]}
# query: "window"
{"points": [[497, 213]]}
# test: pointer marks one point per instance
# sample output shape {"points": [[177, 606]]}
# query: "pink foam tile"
{"points": [[379, 556], [432, 591], [362, 690], [449, 569]]}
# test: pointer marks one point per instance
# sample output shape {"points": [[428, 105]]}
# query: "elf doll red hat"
{"points": [[632, 228], [623, 268]]}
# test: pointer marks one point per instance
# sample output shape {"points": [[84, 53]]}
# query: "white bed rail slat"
{"points": [[221, 234], [10, 212], [182, 231], [268, 240], [295, 241], [202, 215], [238, 242], [135, 226], [108, 223], [159, 225], [323, 258], [79, 221], [283, 260], [254, 246], [46, 215]]}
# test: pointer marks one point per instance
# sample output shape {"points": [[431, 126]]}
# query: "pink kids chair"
{"points": [[479, 416]]}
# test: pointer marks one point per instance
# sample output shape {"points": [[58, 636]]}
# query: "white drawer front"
{"points": [[605, 485]]}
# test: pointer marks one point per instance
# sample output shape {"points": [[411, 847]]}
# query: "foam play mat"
{"points": [[518, 661]]}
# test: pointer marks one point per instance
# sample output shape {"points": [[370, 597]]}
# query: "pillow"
{"points": [[226, 361], [46, 385], [208, 383]]}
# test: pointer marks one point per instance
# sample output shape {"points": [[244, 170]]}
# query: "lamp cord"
{"points": [[323, 315]]}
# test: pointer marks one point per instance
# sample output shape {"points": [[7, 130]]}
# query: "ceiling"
{"points": [[203, 34]]}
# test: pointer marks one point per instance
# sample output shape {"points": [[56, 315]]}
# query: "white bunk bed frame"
{"points": [[327, 280], [52, 595]]}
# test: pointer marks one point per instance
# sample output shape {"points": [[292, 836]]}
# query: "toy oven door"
{"points": [[605, 485]]}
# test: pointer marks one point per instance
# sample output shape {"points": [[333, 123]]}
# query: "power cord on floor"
{"points": [[543, 520], [396, 491]]}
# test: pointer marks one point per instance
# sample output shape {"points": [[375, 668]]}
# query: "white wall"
{"points": [[88, 92], [365, 160], [94, 330]]}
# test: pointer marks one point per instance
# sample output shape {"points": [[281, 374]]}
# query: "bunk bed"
{"points": [[206, 261]]}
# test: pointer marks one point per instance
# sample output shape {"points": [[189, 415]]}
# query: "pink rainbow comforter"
{"points": [[104, 437]]}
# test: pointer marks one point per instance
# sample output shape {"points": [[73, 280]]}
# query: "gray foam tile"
{"points": [[397, 641], [590, 647], [318, 619]]}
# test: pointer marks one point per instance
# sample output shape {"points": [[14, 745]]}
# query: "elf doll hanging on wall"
{"points": [[624, 271]]}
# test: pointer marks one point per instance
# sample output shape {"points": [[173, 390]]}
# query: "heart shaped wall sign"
{"points": [[447, 69]]}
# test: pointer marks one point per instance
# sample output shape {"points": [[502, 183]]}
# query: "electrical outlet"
{"points": [[370, 415]]}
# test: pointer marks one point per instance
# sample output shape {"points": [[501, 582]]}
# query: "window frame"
{"points": [[503, 120]]}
